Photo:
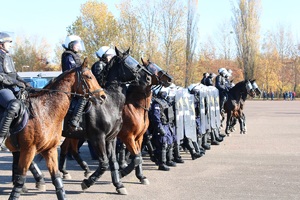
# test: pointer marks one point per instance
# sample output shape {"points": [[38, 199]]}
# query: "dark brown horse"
{"points": [[42, 133], [135, 118], [105, 121], [233, 106]]}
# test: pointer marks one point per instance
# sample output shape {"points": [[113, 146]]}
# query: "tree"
{"points": [[246, 27], [191, 39], [31, 54], [131, 29]]}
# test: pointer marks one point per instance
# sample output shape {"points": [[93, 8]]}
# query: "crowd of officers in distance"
{"points": [[160, 139]]}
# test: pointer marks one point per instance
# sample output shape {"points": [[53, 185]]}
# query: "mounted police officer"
{"points": [[221, 86], [71, 59], [105, 54], [162, 120], [229, 83], [203, 80], [10, 84]]}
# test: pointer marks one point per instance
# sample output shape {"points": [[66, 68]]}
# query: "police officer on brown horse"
{"points": [[10, 84]]}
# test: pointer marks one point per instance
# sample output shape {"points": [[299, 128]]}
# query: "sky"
{"points": [[49, 19]]}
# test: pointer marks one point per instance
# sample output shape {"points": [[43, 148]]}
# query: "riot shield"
{"points": [[179, 114], [189, 116], [212, 107]]}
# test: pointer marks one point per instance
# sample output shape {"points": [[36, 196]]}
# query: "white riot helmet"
{"points": [[229, 72], [104, 51], [222, 71], [72, 40]]}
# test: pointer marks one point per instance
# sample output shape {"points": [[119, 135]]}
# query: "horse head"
{"points": [[86, 83], [249, 88], [255, 87], [159, 76], [126, 70]]}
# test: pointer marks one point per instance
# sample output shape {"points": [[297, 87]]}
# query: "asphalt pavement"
{"points": [[263, 164]]}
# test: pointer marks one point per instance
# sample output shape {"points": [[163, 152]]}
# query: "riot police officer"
{"points": [[203, 80], [161, 119], [10, 84], [71, 59], [209, 80], [105, 54], [221, 86]]}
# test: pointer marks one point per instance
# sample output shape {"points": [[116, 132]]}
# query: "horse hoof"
{"points": [[41, 187], [24, 189], [67, 177], [84, 186], [122, 191], [228, 134], [87, 174], [144, 181]]}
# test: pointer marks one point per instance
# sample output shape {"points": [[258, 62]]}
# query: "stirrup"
{"points": [[73, 128]]}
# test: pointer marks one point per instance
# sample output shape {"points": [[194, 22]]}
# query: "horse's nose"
{"points": [[102, 98]]}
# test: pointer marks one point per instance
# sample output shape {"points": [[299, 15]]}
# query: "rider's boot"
{"points": [[9, 115], [74, 122]]}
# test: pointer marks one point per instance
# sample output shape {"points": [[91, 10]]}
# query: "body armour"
{"points": [[220, 83], [6, 63], [166, 111], [75, 56]]}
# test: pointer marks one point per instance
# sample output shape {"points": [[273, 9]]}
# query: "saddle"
{"points": [[18, 124]]}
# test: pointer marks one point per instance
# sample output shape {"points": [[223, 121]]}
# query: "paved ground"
{"points": [[263, 164]]}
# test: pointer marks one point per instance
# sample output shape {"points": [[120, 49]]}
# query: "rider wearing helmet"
{"points": [[105, 54], [209, 79], [221, 86], [71, 59], [229, 84], [205, 75], [10, 84]]}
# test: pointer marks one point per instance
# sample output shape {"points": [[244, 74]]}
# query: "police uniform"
{"points": [[162, 118], [221, 86]]}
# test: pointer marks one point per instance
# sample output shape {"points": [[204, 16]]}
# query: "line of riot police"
{"points": [[182, 119]]}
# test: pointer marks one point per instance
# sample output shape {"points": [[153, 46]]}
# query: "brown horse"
{"points": [[135, 118], [42, 133]]}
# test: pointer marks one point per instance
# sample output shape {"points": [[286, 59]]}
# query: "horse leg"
{"points": [[114, 167], [16, 156], [24, 159], [138, 167], [77, 157], [122, 156], [242, 124], [64, 147], [100, 148], [228, 123], [52, 164], [38, 176]]}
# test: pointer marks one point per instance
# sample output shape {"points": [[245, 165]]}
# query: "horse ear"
{"points": [[127, 52], [144, 62], [117, 51], [85, 62]]}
